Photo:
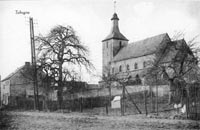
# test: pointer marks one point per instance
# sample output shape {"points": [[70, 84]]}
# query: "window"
{"points": [[127, 67], [136, 66], [137, 79], [120, 44], [113, 70], [144, 64], [120, 68], [107, 44]]}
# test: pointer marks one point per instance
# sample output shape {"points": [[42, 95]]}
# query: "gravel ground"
{"points": [[84, 121]]}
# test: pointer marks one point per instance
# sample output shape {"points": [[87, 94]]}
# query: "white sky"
{"points": [[139, 19]]}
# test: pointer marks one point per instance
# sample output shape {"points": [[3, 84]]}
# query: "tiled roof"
{"points": [[141, 48], [115, 35]]}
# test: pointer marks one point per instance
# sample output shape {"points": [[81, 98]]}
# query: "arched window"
{"points": [[120, 44], [113, 70], [144, 64], [120, 68], [136, 66], [127, 67]]}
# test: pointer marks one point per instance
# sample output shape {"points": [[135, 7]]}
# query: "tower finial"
{"points": [[115, 6]]}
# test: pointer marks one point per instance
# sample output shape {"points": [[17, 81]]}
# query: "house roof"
{"points": [[13, 73], [16, 71], [141, 48], [115, 32]]}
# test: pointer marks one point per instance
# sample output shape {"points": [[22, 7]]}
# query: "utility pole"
{"points": [[0, 93], [33, 58]]}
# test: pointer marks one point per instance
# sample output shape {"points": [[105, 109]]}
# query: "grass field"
{"points": [[85, 121]]}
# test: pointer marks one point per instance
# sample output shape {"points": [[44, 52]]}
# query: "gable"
{"points": [[181, 48], [141, 48], [12, 74]]}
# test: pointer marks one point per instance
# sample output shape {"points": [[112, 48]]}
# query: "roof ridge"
{"points": [[13, 73], [139, 48], [149, 38]]}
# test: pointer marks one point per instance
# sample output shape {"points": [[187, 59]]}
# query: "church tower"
{"points": [[112, 44]]}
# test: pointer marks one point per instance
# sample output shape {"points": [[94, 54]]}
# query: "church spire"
{"points": [[115, 32], [115, 6]]}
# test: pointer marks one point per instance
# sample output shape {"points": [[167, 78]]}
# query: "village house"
{"points": [[18, 84]]}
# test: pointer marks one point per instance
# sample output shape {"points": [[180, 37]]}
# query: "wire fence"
{"points": [[149, 101]]}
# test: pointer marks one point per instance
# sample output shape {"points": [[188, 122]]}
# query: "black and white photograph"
{"points": [[99, 64]]}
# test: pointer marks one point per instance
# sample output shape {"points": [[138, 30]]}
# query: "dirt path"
{"points": [[83, 121]]}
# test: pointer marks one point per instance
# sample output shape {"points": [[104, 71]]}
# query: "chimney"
{"points": [[27, 64]]}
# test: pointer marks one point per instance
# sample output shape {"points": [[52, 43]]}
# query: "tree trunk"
{"points": [[60, 98], [110, 95], [145, 102], [171, 90], [60, 87]]}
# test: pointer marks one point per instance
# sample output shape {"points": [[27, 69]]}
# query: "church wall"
{"points": [[109, 48], [117, 46], [106, 53], [131, 62], [117, 91]]}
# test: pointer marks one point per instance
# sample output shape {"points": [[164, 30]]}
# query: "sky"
{"points": [[139, 19]]}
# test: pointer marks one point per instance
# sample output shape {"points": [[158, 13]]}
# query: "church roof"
{"points": [[115, 32], [115, 35], [115, 17], [141, 48]]}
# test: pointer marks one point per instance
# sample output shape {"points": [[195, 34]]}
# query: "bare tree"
{"points": [[60, 50], [173, 63]]}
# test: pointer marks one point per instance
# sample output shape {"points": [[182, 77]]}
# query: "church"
{"points": [[129, 59]]}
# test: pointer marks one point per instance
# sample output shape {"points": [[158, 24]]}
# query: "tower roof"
{"points": [[115, 17], [115, 33]]}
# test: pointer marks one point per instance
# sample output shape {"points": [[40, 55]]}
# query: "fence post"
{"points": [[123, 100], [106, 108], [187, 104], [152, 101], [195, 101], [157, 99], [81, 104], [145, 103]]}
